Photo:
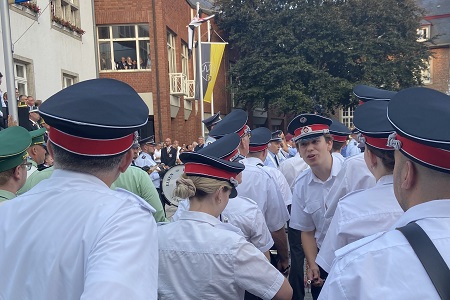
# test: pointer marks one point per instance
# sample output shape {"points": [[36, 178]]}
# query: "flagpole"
{"points": [[212, 94], [200, 71]]}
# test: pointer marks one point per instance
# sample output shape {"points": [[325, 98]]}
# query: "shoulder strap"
{"points": [[429, 256]]}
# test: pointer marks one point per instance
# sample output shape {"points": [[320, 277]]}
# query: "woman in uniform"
{"points": [[202, 258]]}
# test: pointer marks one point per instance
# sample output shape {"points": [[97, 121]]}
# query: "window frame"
{"points": [[111, 40], [346, 116], [171, 52]]}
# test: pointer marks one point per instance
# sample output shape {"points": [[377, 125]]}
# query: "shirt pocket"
{"points": [[313, 208]]}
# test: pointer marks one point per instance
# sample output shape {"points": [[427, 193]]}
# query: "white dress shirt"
{"points": [[352, 148], [338, 155], [259, 186], [354, 176], [243, 213], [292, 167], [71, 237], [281, 183], [358, 215], [308, 201], [384, 266], [199, 259], [145, 159]]}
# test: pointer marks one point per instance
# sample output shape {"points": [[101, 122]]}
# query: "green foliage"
{"points": [[293, 55]]}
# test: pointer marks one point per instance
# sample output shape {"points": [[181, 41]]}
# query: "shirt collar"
{"points": [[200, 217], [430, 209], [335, 168], [253, 161], [386, 179]]}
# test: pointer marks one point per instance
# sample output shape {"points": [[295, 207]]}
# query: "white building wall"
{"points": [[51, 51]]}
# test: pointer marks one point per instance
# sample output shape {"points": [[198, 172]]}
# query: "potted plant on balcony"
{"points": [[31, 6]]}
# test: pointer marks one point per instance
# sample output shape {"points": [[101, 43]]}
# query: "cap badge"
{"points": [[303, 120], [393, 142], [306, 129]]}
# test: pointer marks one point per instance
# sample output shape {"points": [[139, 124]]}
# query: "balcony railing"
{"points": [[177, 84]]}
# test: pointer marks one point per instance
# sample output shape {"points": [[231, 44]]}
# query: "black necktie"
{"points": [[276, 160]]}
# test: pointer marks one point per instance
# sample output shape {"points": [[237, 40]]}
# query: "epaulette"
{"points": [[137, 199], [357, 244], [351, 193], [301, 175]]}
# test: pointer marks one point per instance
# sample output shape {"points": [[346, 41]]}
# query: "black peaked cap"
{"points": [[148, 140], [96, 109], [233, 122], [422, 115], [338, 128], [260, 136], [276, 136], [371, 119], [368, 93], [214, 119], [301, 128], [218, 164], [226, 148]]}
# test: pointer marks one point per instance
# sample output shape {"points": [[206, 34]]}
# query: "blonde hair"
{"points": [[190, 186]]}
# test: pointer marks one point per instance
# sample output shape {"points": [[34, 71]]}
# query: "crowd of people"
{"points": [[261, 215]]}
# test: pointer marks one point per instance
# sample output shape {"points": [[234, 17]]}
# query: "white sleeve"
{"points": [[123, 263]]}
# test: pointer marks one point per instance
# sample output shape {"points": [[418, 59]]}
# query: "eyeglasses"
{"points": [[27, 165]]}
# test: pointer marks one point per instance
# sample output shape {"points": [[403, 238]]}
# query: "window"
{"points": [[185, 61], [426, 73], [68, 78], [171, 52], [423, 33], [347, 117], [124, 47], [21, 78], [67, 10]]}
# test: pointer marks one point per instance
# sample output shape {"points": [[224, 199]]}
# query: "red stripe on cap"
{"points": [[207, 170], [258, 148], [90, 147], [339, 138], [232, 155], [243, 130], [380, 143], [360, 102], [314, 128], [430, 155]]}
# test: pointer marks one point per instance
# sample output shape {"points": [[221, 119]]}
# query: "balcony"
{"points": [[177, 84]]}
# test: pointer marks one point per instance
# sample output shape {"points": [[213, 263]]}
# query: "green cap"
{"points": [[37, 137], [14, 142]]}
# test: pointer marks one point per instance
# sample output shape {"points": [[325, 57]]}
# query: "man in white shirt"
{"points": [[71, 236], [311, 133], [384, 265]]}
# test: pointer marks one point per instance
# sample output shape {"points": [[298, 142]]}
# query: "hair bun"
{"points": [[185, 188]]}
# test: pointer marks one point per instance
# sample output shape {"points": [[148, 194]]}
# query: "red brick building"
{"points": [[436, 23], [154, 35]]}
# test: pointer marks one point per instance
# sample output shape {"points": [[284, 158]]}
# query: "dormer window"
{"points": [[423, 33]]}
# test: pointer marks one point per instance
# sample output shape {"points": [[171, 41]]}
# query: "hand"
{"points": [[284, 267], [11, 121], [313, 274]]}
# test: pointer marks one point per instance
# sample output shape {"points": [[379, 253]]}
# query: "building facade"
{"points": [[153, 35], [436, 23], [53, 43]]}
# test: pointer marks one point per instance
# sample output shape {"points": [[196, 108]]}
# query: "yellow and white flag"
{"points": [[211, 59]]}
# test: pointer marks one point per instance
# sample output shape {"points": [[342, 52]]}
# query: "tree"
{"points": [[296, 54]]}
